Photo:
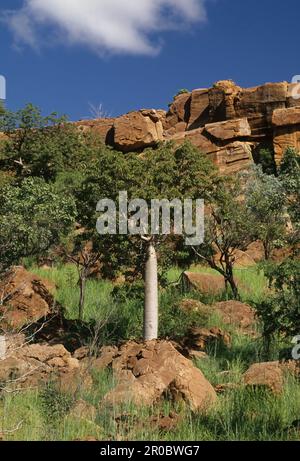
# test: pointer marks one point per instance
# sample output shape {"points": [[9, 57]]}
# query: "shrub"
{"points": [[182, 91], [280, 313], [54, 403]]}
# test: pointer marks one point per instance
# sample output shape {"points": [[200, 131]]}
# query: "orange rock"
{"points": [[27, 298], [166, 372], [284, 117], [102, 127], [242, 259], [256, 251], [236, 313], [179, 111], [229, 129], [199, 109], [200, 339], [138, 130], [205, 283], [268, 374]]}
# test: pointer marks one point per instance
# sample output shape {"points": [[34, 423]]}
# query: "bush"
{"points": [[280, 313], [126, 320], [174, 322], [54, 404], [265, 158]]}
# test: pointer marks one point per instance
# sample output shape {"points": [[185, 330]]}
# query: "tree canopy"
{"points": [[32, 219]]}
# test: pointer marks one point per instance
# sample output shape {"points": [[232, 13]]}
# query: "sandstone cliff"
{"points": [[226, 122]]}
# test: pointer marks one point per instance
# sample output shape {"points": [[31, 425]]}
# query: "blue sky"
{"points": [[57, 60]]}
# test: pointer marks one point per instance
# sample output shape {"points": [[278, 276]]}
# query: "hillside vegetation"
{"points": [[226, 305]]}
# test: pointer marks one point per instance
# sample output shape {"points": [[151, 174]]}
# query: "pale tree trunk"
{"points": [[151, 296], [82, 283], [2, 347]]}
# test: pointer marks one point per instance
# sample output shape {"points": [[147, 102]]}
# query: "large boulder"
{"points": [[203, 339], [199, 109], [26, 299], [271, 375], [230, 157], [35, 364], [223, 97], [236, 313], [286, 124], [229, 129], [148, 372], [284, 137], [138, 130], [268, 375], [102, 127], [262, 101], [242, 259], [233, 313], [286, 117], [256, 251], [179, 112], [205, 283]]}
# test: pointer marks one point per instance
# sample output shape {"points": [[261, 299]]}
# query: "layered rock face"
{"points": [[226, 122]]}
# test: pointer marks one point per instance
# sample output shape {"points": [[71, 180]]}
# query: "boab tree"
{"points": [[164, 173]]}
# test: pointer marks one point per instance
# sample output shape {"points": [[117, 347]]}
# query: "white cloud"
{"points": [[118, 26]]}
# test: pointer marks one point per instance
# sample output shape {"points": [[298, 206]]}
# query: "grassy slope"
{"points": [[241, 414]]}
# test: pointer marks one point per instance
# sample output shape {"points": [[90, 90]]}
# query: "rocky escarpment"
{"points": [[228, 123]]}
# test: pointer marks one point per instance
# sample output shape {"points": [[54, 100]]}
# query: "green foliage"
{"points": [[174, 322], [280, 313], [266, 201], [43, 146], [289, 167], [182, 91], [289, 175], [121, 293], [266, 159], [240, 414], [54, 403], [228, 228], [167, 172], [69, 182], [32, 219], [177, 172]]}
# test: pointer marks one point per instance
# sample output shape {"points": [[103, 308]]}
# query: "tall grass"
{"points": [[252, 281], [241, 413]]}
